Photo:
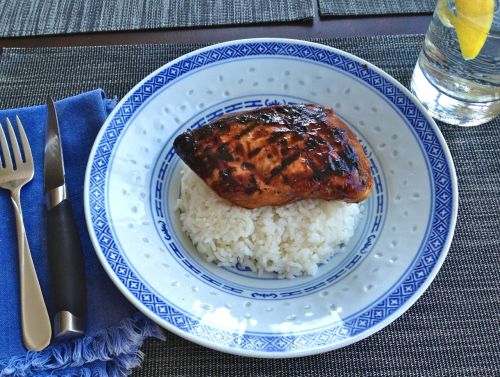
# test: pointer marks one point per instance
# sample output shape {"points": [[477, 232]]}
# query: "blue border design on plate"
{"points": [[428, 257]]}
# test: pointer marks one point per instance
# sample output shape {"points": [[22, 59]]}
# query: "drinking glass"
{"points": [[457, 76]]}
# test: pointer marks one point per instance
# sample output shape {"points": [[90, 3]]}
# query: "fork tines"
{"points": [[15, 150]]}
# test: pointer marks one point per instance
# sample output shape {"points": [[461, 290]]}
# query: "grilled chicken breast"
{"points": [[277, 155]]}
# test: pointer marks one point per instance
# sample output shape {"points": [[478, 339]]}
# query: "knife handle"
{"points": [[66, 266]]}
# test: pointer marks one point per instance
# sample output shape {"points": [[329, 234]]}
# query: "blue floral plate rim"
{"points": [[281, 345]]}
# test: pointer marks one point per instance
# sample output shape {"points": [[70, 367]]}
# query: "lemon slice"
{"points": [[444, 13], [472, 24]]}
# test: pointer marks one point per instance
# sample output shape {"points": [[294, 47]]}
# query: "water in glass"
{"points": [[454, 89]]}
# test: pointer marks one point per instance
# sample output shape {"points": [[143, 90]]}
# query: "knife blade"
{"points": [[65, 255]]}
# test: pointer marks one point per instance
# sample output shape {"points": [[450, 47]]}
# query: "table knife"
{"points": [[65, 255]]}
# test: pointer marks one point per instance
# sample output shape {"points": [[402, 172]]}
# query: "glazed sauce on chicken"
{"points": [[277, 155]]}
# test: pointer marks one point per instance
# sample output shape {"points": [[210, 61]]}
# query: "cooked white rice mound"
{"points": [[290, 240]]}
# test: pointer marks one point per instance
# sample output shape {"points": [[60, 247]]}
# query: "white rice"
{"points": [[290, 240]]}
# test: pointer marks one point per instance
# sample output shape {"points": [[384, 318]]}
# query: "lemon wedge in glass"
{"points": [[472, 20], [444, 13]]}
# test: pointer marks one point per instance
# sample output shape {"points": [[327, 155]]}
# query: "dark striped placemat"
{"points": [[42, 17], [372, 7], [452, 330]]}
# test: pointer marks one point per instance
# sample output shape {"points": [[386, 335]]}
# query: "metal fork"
{"points": [[35, 320]]}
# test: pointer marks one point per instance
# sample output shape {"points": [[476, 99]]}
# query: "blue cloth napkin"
{"points": [[115, 330]]}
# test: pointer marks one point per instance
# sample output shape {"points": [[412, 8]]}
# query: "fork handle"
{"points": [[35, 321]]}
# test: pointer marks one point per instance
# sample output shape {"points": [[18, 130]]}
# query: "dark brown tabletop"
{"points": [[318, 28]]}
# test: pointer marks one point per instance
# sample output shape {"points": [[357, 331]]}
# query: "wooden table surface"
{"points": [[317, 28]]}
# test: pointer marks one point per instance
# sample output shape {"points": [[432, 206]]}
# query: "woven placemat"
{"points": [[42, 17], [372, 7], [452, 330]]}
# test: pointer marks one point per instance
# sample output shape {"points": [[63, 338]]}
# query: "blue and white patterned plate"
{"points": [[132, 184]]}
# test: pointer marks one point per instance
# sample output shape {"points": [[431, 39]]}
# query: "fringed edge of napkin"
{"points": [[120, 345]]}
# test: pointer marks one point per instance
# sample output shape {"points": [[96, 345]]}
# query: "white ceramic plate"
{"points": [[132, 184]]}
